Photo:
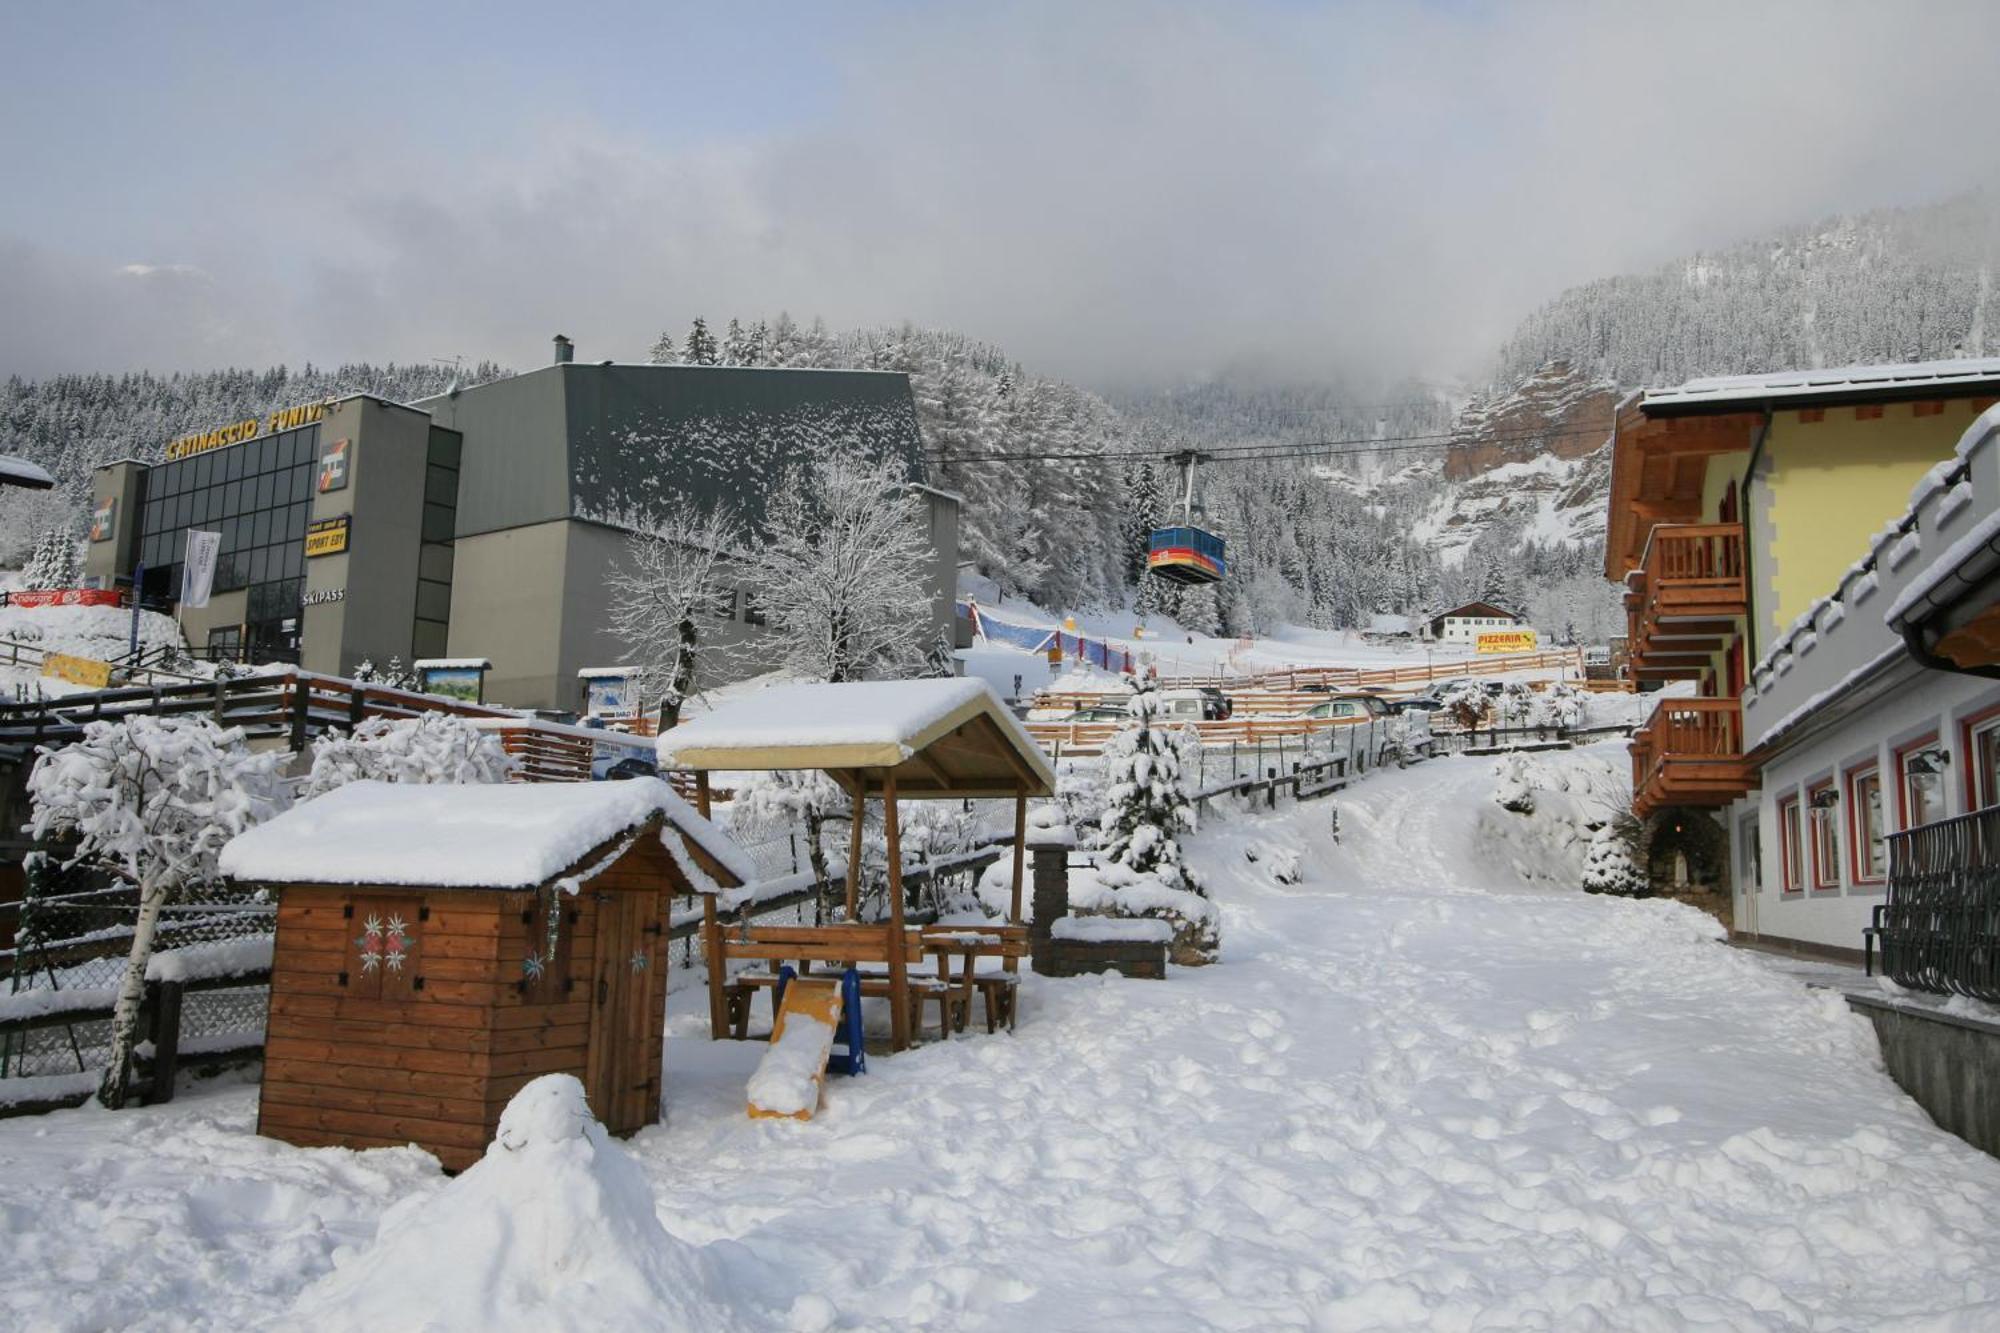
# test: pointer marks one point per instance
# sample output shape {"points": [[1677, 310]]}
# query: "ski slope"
{"points": [[1422, 1091]]}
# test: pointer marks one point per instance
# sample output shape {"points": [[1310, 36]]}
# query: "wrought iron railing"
{"points": [[1939, 930]]}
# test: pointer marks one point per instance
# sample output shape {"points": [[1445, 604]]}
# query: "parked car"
{"points": [[1203, 705], [623, 770], [1418, 703], [1219, 702], [1412, 739], [1101, 713], [1351, 707]]}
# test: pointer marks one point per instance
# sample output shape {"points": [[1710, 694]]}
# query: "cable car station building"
{"points": [[482, 523]]}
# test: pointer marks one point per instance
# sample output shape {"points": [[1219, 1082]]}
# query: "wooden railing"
{"points": [[1689, 750], [1690, 573]]}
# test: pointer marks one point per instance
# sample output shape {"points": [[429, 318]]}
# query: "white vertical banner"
{"points": [[198, 567]]}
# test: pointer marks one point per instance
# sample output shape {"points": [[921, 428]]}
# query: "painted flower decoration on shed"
{"points": [[384, 944]]}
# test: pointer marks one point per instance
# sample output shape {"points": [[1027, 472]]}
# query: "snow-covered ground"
{"points": [[1419, 1092]]}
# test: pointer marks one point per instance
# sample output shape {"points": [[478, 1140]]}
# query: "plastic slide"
{"points": [[788, 1080]]}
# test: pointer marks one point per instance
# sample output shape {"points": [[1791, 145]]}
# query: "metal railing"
{"points": [[1939, 929]]}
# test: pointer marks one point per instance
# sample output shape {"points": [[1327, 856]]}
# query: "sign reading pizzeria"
{"points": [[326, 536]]}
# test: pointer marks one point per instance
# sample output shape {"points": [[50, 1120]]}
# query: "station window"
{"points": [[255, 494], [1983, 749], [1920, 786]]}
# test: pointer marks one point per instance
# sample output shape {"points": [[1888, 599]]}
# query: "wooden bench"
{"points": [[998, 991], [854, 944]]}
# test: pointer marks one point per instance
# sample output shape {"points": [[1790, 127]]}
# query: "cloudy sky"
{"points": [[1120, 193]]}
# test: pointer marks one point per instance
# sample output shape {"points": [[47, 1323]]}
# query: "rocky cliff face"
{"points": [[1533, 461]]}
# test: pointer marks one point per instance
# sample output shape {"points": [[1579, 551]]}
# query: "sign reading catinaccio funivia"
{"points": [[248, 429]]}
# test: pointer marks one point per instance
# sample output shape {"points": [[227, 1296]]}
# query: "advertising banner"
{"points": [[333, 467], [466, 683], [77, 670], [198, 568], [609, 696], [326, 536], [1507, 641], [103, 519], [65, 597]]}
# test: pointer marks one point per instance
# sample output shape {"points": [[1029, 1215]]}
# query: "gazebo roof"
{"points": [[473, 836], [938, 738]]}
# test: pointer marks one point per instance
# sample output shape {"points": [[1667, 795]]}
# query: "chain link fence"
{"points": [[72, 937]]}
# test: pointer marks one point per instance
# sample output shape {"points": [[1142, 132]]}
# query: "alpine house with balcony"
{"points": [[1747, 521]]}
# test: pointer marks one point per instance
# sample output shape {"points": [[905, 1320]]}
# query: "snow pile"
{"points": [[512, 835], [553, 1229], [786, 1081], [1112, 929], [1545, 809]]}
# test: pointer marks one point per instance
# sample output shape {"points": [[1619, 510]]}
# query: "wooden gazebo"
{"points": [[948, 739]]}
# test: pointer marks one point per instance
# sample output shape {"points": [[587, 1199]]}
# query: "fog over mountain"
{"points": [[1124, 195]]}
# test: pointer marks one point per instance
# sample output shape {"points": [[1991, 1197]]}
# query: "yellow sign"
{"points": [[77, 670], [326, 536], [284, 419], [1507, 641]]}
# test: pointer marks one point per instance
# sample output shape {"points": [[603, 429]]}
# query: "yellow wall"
{"points": [[1833, 484]]}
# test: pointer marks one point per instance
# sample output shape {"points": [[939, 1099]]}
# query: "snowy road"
{"points": [[1416, 1094]]}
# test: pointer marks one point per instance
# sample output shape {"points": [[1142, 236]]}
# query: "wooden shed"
{"points": [[440, 946]]}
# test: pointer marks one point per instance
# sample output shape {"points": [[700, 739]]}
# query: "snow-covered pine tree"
{"points": [[150, 801], [431, 747], [668, 603], [54, 563], [1146, 807], [663, 350], [700, 348], [733, 343], [1611, 867]]}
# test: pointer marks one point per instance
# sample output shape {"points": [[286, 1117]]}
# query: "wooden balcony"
{"points": [[1690, 752], [1683, 602]]}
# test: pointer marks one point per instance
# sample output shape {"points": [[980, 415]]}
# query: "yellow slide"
{"points": [[788, 1080]]}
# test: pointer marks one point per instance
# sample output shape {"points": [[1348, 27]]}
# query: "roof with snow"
{"points": [[1807, 388], [472, 836], [950, 737], [20, 472], [1475, 611]]}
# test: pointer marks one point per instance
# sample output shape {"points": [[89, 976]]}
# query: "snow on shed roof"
{"points": [[462, 835], [1910, 378], [870, 725]]}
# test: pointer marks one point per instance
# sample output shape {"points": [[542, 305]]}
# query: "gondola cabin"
{"points": [[1186, 555], [439, 946]]}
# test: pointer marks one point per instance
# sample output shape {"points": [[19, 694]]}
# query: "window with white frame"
{"points": [[1920, 770], [1791, 846], [1869, 854], [1985, 750], [1824, 802]]}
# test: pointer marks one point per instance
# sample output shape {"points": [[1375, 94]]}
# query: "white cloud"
{"points": [[1116, 192]]}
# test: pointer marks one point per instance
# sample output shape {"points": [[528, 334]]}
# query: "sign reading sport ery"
{"points": [[1506, 641]]}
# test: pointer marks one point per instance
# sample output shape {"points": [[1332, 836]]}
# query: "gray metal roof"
{"points": [[617, 443], [1801, 388]]}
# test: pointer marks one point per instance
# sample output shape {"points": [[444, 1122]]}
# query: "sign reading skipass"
{"points": [[249, 429], [1506, 641]]}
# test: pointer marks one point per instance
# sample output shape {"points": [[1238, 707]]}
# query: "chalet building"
{"points": [[1814, 552], [1466, 623], [481, 524]]}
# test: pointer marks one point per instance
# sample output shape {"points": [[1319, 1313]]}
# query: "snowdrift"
{"points": [[553, 1229]]}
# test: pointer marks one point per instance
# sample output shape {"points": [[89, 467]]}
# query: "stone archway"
{"points": [[1685, 851]]}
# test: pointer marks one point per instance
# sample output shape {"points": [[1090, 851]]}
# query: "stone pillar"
{"points": [[1049, 846]]}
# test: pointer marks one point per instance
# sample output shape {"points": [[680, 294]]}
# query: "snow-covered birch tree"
{"points": [[151, 801], [841, 578], [668, 603]]}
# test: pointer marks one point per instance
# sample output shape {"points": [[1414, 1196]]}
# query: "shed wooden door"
{"points": [[623, 1062]]}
